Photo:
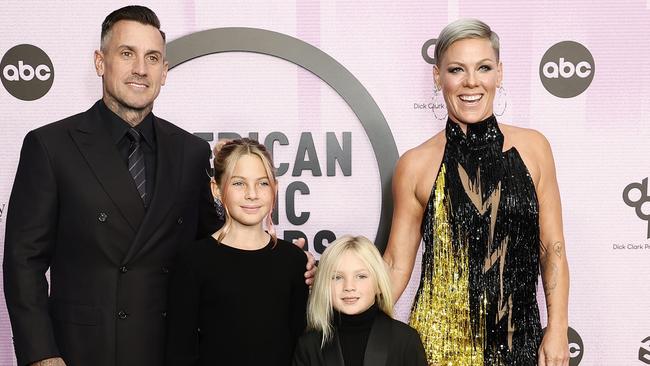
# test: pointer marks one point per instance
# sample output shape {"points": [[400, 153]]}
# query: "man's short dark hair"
{"points": [[137, 13]]}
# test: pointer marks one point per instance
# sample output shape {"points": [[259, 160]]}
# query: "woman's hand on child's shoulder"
{"points": [[311, 262]]}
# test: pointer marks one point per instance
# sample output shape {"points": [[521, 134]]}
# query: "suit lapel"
{"points": [[169, 157], [378, 341], [332, 353], [103, 158]]}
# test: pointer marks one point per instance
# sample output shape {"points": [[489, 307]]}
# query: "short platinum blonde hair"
{"points": [[463, 29], [320, 306]]}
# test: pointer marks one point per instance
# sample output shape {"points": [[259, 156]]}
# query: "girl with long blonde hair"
{"points": [[239, 296]]}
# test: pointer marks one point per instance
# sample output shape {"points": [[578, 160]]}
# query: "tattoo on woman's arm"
{"points": [[550, 277], [557, 248]]}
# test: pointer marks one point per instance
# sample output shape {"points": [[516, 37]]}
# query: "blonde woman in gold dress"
{"points": [[484, 198]]}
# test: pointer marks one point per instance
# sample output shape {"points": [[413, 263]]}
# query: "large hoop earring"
{"points": [[500, 102], [438, 104]]}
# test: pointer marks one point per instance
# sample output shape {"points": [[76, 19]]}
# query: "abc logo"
{"points": [[644, 351], [576, 347], [27, 72], [567, 69], [425, 51]]}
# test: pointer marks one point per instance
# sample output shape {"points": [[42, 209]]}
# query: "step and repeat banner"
{"points": [[339, 89]]}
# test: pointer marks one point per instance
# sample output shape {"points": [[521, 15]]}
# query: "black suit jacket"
{"points": [[74, 210], [390, 343]]}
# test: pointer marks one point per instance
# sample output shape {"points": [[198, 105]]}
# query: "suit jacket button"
{"points": [[122, 314], [180, 220], [164, 269], [124, 269], [102, 217]]}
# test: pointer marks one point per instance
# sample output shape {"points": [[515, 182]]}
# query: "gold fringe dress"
{"points": [[476, 303]]}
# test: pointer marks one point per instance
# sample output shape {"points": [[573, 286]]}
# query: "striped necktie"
{"points": [[136, 162]]}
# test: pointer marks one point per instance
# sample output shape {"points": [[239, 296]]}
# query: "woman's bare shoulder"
{"points": [[428, 151], [524, 139], [418, 167], [532, 146]]}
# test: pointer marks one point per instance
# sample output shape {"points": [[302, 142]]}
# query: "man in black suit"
{"points": [[104, 200]]}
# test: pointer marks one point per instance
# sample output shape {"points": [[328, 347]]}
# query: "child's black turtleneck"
{"points": [[353, 332]]}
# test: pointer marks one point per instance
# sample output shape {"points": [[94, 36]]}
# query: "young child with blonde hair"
{"points": [[349, 312]]}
